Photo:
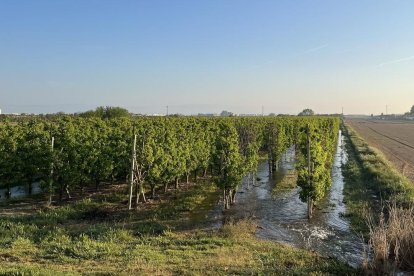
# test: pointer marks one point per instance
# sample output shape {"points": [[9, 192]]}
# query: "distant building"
{"points": [[249, 115], [158, 115]]}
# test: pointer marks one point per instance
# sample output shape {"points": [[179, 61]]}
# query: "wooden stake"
{"points": [[131, 180], [309, 173], [51, 173]]}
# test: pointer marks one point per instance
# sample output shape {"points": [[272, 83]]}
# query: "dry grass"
{"points": [[240, 229], [392, 241]]}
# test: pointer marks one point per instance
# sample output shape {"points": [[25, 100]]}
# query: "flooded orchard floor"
{"points": [[283, 217], [18, 192]]}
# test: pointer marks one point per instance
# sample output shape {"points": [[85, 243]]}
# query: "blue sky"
{"points": [[206, 56]]}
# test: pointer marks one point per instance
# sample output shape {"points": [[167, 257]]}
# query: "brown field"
{"points": [[394, 138]]}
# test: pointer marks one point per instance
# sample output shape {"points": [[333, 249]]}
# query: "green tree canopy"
{"points": [[307, 112], [107, 112]]}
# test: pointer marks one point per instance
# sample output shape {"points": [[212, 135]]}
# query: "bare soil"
{"points": [[393, 138]]}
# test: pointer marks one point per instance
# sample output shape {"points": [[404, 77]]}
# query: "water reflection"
{"points": [[19, 192]]}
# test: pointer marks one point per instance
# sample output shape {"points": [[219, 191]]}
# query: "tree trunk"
{"points": [[195, 176], [248, 181], [274, 166], [228, 200], [205, 172], [233, 197], [67, 191], [140, 191], [61, 192], [153, 192], [49, 202], [310, 208], [30, 186], [176, 183], [141, 185], [165, 187], [137, 191], [97, 184], [8, 192], [81, 187], [270, 166]]}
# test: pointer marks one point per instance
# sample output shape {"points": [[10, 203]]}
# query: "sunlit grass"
{"points": [[287, 183], [91, 237]]}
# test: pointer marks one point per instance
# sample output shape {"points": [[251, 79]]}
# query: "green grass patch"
{"points": [[97, 237], [357, 195], [287, 183], [232, 250]]}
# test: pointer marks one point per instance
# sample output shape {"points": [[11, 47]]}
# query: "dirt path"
{"points": [[394, 138]]}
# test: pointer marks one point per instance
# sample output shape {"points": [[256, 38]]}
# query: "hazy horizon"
{"points": [[207, 56], [162, 110]]}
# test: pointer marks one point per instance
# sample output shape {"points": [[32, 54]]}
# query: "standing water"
{"points": [[19, 192], [283, 217]]}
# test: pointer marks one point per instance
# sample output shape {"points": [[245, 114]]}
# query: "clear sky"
{"points": [[206, 56]]}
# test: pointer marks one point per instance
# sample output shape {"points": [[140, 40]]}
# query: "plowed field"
{"points": [[394, 138]]}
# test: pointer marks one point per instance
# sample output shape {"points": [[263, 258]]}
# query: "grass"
{"points": [[97, 236], [359, 196], [287, 183], [232, 250], [370, 181]]}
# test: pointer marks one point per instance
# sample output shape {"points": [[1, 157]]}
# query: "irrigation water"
{"points": [[17, 192], [283, 217]]}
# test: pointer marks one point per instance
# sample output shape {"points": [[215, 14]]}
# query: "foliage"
{"points": [[229, 161], [317, 143], [307, 112], [107, 112], [96, 149]]}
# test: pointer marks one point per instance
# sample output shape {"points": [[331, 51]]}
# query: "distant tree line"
{"points": [[106, 112], [307, 112]]}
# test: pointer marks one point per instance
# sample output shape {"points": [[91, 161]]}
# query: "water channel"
{"points": [[283, 217], [17, 192]]}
